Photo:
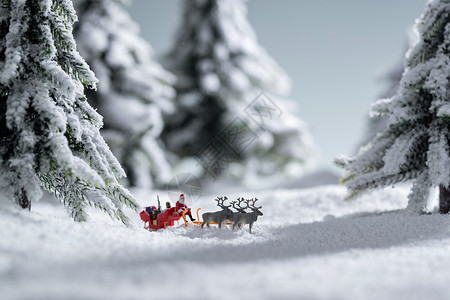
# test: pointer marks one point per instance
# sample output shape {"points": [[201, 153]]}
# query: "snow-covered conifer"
{"points": [[415, 145], [221, 69], [49, 133], [391, 78], [134, 91]]}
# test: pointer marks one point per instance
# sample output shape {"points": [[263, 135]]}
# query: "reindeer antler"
{"points": [[253, 201], [239, 208], [220, 201]]}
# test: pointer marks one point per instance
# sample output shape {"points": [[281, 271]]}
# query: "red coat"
{"points": [[179, 207]]}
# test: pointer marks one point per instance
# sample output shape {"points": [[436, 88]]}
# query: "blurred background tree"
{"points": [[134, 91], [221, 72]]}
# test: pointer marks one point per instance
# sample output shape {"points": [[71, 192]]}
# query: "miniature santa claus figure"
{"points": [[181, 206]]}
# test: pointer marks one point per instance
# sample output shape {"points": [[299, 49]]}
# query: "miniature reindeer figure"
{"points": [[218, 216], [241, 218]]}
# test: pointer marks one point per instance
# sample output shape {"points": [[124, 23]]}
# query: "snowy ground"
{"points": [[310, 244]]}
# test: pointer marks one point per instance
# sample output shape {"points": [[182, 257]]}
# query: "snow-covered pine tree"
{"points": [[221, 69], [49, 133], [134, 91], [415, 145], [391, 78]]}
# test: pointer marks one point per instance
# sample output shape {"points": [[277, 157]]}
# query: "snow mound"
{"points": [[310, 244]]}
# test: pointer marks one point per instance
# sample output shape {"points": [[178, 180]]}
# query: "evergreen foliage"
{"points": [[391, 78], [49, 133], [415, 145], [134, 91]]}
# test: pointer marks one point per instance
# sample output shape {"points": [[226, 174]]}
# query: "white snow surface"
{"points": [[310, 244]]}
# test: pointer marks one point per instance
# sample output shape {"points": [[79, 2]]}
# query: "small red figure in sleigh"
{"points": [[155, 218]]}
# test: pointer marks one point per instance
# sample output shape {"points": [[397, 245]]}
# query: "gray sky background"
{"points": [[331, 49]]}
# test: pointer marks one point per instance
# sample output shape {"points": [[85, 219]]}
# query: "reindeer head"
{"points": [[251, 205], [220, 201]]}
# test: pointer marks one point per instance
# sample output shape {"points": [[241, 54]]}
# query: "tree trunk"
{"points": [[444, 200], [24, 202]]}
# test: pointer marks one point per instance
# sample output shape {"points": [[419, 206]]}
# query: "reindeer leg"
{"points": [[203, 224], [220, 224], [250, 227]]}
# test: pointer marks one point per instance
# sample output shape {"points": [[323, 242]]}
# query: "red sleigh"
{"points": [[163, 220], [168, 218]]}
